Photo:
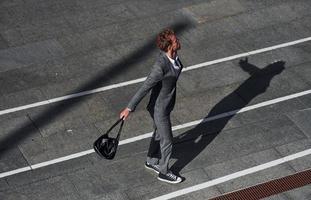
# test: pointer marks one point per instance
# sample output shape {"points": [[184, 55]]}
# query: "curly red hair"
{"points": [[164, 39]]}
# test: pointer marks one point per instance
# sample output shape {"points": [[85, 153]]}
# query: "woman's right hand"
{"points": [[125, 113]]}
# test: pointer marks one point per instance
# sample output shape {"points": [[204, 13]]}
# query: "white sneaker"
{"points": [[169, 178], [154, 168]]}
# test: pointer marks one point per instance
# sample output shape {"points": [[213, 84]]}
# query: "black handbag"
{"points": [[106, 146]]}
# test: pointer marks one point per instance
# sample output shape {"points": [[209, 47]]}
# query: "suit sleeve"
{"points": [[153, 78]]}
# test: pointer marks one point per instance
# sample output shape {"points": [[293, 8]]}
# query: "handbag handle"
{"points": [[114, 125]]}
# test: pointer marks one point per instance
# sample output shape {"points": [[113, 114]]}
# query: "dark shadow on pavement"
{"points": [[128, 63], [191, 143]]}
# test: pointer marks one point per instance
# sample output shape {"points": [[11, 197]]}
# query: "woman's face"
{"points": [[175, 43]]}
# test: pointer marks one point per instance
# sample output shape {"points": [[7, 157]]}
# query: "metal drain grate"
{"points": [[269, 188]]}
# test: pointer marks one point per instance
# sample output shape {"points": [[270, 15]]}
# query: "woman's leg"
{"points": [[154, 152], [164, 132]]}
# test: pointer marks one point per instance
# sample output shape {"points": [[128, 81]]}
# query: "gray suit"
{"points": [[162, 81]]}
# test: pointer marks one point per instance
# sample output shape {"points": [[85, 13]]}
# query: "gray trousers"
{"points": [[161, 143]]}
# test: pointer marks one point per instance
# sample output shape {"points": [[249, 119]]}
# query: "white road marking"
{"points": [[71, 96], [16, 171], [139, 80], [233, 176], [248, 54], [147, 135], [61, 159]]}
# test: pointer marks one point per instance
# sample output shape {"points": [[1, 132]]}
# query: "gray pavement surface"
{"points": [[54, 48]]}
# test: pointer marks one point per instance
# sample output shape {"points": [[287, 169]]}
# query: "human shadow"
{"points": [[191, 143], [15, 137]]}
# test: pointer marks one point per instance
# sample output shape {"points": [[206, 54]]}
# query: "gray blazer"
{"points": [[162, 80]]}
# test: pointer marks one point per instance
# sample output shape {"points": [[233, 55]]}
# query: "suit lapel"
{"points": [[170, 65]]}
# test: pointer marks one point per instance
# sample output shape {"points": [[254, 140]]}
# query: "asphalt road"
{"points": [[51, 49]]}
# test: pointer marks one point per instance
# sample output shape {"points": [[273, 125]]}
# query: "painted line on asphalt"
{"points": [[258, 51], [234, 175], [16, 171], [139, 80], [148, 135]]}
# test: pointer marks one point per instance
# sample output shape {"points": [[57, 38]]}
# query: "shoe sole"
{"points": [[167, 181], [151, 169]]}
